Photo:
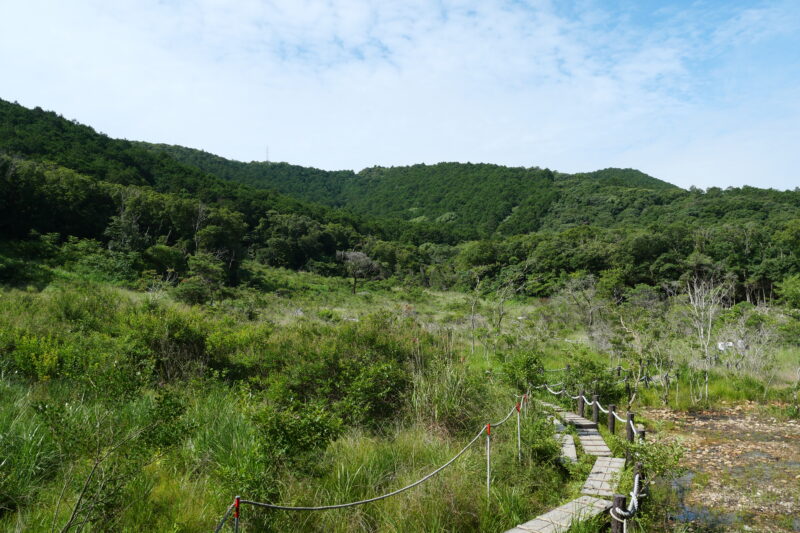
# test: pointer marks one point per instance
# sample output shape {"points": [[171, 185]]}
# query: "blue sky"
{"points": [[703, 93]]}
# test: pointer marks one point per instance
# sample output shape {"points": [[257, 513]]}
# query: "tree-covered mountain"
{"points": [[144, 208], [470, 200]]}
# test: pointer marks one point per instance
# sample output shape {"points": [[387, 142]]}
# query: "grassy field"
{"points": [[124, 409]]}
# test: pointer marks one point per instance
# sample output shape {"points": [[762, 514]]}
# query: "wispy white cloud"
{"points": [[352, 83]]}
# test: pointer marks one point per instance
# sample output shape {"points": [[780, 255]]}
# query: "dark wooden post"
{"points": [[629, 426], [595, 410], [580, 402], [620, 502], [619, 370], [566, 370], [612, 422], [642, 434]]}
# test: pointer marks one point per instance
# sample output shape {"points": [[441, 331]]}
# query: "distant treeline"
{"points": [[188, 214]]}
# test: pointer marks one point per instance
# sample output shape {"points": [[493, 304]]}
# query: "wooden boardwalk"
{"points": [[604, 477], [600, 484], [593, 443], [568, 452], [561, 518]]}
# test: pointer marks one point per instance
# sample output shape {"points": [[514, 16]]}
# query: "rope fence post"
{"points": [[630, 426], [612, 421], [617, 525], [595, 410], [619, 370], [519, 436], [488, 461], [580, 402], [236, 505], [642, 434]]}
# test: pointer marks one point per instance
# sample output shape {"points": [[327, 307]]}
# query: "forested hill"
{"points": [[472, 200], [137, 208]]}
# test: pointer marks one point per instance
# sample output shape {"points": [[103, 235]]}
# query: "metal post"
{"points": [[519, 438], [620, 502], [595, 409], [580, 402], [488, 461], [612, 422]]}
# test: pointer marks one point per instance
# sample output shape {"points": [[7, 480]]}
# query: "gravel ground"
{"points": [[743, 469]]}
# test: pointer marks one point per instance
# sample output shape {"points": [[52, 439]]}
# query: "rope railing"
{"points": [[588, 403], [619, 512], [486, 429], [623, 514]]}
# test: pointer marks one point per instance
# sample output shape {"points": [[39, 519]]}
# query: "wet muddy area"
{"points": [[742, 469]]}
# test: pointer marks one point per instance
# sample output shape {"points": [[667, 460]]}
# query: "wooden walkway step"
{"points": [[604, 477], [568, 452], [560, 428], [560, 519], [591, 440], [593, 443]]}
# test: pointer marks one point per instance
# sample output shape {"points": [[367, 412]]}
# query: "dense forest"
{"points": [[168, 209]]}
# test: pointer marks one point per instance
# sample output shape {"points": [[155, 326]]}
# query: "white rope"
{"points": [[574, 397], [387, 495], [503, 421], [633, 427], [376, 498], [619, 418], [551, 391], [622, 515], [555, 369], [587, 400], [605, 411]]}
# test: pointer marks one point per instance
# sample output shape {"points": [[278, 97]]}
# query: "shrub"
{"points": [[194, 291], [294, 435], [523, 369]]}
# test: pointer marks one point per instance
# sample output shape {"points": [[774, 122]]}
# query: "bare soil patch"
{"points": [[743, 469]]}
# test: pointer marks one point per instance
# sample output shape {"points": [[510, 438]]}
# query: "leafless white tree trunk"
{"points": [[706, 299]]}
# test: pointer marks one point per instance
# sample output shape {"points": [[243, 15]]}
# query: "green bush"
{"points": [[294, 435], [194, 290], [524, 368]]}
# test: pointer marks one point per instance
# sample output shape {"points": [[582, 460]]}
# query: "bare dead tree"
{"points": [[706, 299]]}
